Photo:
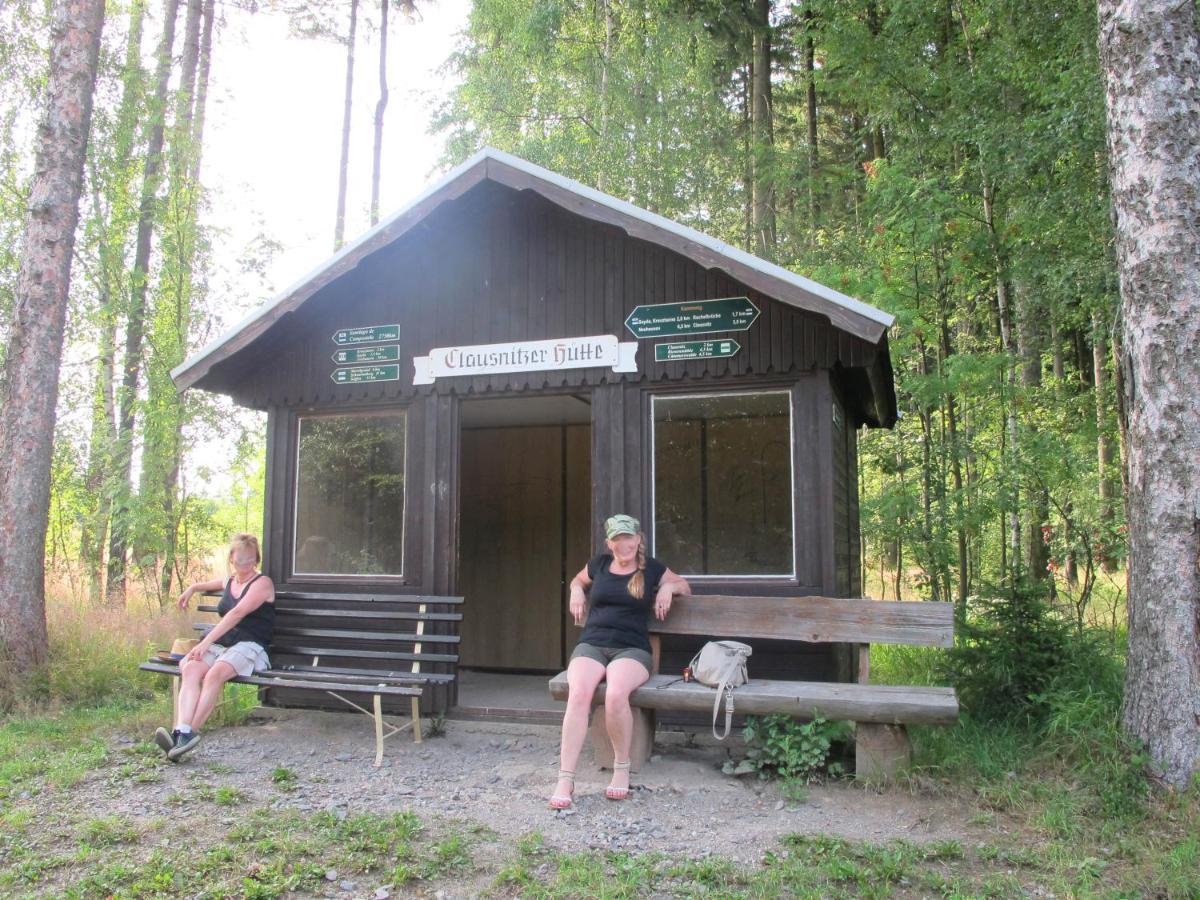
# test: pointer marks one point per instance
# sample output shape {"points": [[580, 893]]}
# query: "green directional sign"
{"points": [[695, 350], [370, 334], [697, 317], [365, 374], [386, 353]]}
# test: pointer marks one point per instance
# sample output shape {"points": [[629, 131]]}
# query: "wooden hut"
{"points": [[456, 402]]}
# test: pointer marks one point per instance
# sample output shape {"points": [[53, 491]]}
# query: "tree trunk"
{"points": [[810, 91], [1150, 55], [1104, 449], [29, 389], [136, 325], [339, 228], [114, 232], [763, 132], [1029, 351], [380, 109]]}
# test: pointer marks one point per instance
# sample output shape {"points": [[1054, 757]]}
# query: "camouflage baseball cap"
{"points": [[621, 524]]}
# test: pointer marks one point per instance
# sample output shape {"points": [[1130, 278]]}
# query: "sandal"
{"points": [[616, 793], [564, 801]]}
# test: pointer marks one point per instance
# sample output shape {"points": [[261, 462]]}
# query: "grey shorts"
{"points": [[246, 657], [605, 655]]}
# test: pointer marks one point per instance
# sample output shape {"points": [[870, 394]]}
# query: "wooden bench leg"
{"points": [[378, 731], [644, 722], [416, 721], [880, 750]]}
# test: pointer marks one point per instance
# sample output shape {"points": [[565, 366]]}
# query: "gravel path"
{"points": [[500, 775]]}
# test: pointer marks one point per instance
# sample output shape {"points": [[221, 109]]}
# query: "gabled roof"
{"points": [[846, 313]]}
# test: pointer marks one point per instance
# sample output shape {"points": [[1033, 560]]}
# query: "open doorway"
{"points": [[524, 528]]}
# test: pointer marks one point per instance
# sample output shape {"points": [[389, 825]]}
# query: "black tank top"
{"points": [[258, 626]]}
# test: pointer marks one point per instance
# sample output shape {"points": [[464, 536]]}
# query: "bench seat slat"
{"points": [[366, 676], [318, 612], [812, 619], [403, 637], [297, 680], [318, 596], [284, 649], [885, 704]]}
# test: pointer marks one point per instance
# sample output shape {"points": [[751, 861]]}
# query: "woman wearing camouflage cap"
{"points": [[622, 586]]}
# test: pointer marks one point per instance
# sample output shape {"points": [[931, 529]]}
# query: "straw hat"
{"points": [[183, 645]]}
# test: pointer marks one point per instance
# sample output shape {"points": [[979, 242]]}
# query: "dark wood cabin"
{"points": [[740, 463]]}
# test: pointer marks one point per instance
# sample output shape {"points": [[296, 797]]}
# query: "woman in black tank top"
{"points": [[236, 645]]}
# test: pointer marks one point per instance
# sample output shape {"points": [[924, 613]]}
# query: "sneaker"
{"points": [[165, 739], [183, 743]]}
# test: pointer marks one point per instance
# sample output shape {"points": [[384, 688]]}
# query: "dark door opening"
{"points": [[524, 528]]}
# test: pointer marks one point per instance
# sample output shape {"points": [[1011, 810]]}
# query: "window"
{"points": [[350, 495], [723, 484]]}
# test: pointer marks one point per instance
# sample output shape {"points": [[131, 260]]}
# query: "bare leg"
{"points": [[583, 675], [210, 693], [191, 677], [624, 677]]}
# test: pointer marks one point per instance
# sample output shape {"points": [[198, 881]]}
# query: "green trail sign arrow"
{"points": [[386, 353], [366, 374], [370, 334], [695, 350], [696, 317]]}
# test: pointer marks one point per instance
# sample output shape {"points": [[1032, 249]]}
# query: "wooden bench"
{"points": [[880, 712], [382, 646]]}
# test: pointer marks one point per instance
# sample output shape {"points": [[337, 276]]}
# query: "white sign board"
{"points": [[602, 350]]}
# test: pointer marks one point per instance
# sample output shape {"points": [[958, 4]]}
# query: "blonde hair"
{"points": [[637, 582], [247, 541]]}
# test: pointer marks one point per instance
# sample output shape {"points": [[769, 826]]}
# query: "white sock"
{"points": [[183, 729]]}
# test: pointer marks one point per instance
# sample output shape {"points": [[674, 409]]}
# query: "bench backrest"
{"points": [[812, 619]]}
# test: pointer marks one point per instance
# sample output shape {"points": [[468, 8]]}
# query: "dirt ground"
{"points": [[500, 775]]}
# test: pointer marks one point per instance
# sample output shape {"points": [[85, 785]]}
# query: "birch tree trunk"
{"points": [[1150, 56], [29, 389], [339, 226], [135, 326], [380, 109]]}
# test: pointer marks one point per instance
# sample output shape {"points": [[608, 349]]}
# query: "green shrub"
{"points": [[1011, 650], [782, 746]]}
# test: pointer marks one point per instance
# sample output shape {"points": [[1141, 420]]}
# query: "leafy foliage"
{"points": [[788, 748]]}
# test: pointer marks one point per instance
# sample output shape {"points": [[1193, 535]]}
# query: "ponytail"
{"points": [[637, 581]]}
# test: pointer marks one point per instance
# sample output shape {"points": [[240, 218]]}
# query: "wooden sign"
{"points": [[369, 334], [697, 317], [385, 353], [695, 350], [601, 350], [366, 374]]}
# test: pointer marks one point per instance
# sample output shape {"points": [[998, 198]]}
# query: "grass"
{"points": [[1063, 797]]}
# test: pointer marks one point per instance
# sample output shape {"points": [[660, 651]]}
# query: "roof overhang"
{"points": [[845, 313]]}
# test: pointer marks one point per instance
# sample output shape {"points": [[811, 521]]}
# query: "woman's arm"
{"points": [[578, 601], [260, 592], [198, 588], [669, 587]]}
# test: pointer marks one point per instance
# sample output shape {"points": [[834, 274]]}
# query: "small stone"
{"points": [[346, 885], [382, 894], [344, 757], [778, 805], [331, 874], [402, 789]]}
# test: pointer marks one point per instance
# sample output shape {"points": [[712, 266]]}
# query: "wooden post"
{"points": [[640, 746]]}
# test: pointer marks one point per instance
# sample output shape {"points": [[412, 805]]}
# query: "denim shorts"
{"points": [[605, 655]]}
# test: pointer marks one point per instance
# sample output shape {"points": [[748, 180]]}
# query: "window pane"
{"points": [[723, 484], [350, 496]]}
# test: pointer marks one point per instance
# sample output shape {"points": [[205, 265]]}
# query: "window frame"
{"points": [[789, 392], [391, 577]]}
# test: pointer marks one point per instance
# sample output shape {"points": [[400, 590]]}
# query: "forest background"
{"points": [[944, 162]]}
